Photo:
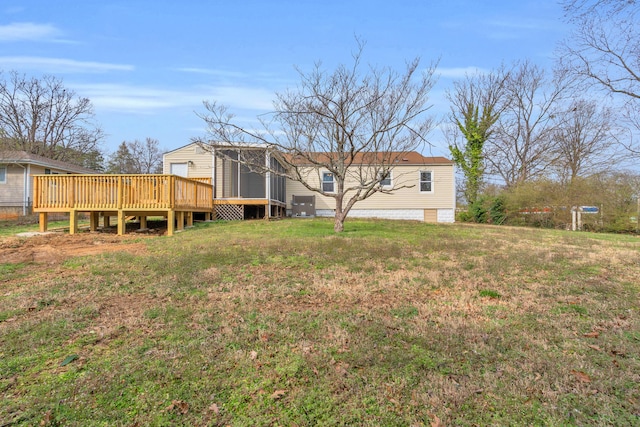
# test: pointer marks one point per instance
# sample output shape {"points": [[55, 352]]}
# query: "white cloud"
{"points": [[59, 65], [510, 29], [20, 31], [129, 98], [459, 72], [146, 100]]}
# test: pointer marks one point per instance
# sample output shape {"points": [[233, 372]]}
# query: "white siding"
{"points": [[409, 197], [199, 162], [12, 190]]}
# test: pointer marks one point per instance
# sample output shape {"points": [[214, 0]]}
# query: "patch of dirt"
{"points": [[56, 247]]}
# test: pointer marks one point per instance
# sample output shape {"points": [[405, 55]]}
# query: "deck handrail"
{"points": [[121, 192]]}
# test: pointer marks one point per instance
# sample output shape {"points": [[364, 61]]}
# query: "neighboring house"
{"points": [[16, 181], [423, 188]]}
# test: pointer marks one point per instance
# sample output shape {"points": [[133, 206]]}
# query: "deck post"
{"points": [[73, 221], [43, 221], [94, 220], [121, 222], [143, 222], [189, 219], [171, 218], [180, 219], [106, 221]]}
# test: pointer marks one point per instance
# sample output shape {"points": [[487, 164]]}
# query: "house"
{"points": [[417, 188], [420, 188], [16, 179]]}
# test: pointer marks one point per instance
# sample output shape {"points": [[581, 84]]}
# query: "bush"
{"points": [[486, 210]]}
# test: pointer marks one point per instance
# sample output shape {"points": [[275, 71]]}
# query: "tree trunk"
{"points": [[338, 223]]}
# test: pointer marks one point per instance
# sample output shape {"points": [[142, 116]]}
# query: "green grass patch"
{"points": [[287, 323]]}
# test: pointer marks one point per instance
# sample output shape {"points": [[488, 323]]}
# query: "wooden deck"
{"points": [[122, 196]]}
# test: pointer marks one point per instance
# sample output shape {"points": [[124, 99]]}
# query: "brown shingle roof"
{"points": [[11, 156], [398, 158]]}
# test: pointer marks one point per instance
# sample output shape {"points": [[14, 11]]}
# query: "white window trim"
{"points": [[333, 181], [420, 181], [6, 172]]}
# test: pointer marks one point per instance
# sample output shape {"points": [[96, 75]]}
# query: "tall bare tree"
{"points": [[146, 156], [586, 140], [43, 117], [604, 50], [351, 124], [524, 145], [476, 104]]}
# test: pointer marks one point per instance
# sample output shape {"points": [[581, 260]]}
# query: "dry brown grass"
{"points": [[402, 324]]}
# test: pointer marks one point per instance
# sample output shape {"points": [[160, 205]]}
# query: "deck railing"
{"points": [[120, 192]]}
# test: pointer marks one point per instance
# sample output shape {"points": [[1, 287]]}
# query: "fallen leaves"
{"points": [[179, 406], [581, 376], [278, 394]]}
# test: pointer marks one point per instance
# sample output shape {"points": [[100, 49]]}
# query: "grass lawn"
{"points": [[286, 323]]}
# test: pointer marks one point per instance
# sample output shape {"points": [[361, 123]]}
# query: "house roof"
{"points": [[22, 157], [397, 158]]}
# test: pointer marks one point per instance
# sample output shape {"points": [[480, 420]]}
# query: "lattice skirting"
{"points": [[229, 212]]}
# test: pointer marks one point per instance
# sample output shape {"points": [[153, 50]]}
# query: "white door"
{"points": [[180, 169]]}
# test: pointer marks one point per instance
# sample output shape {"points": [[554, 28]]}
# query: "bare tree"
{"points": [[524, 144], [586, 140], [42, 117], [136, 157], [604, 50], [146, 156], [352, 125], [476, 105]]}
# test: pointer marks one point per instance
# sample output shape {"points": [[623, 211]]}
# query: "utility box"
{"points": [[303, 206]]}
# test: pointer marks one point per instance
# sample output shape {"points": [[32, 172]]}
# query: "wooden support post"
{"points": [[73, 222], [189, 219], [171, 219], [143, 222], [121, 223], [180, 219], [43, 221], [94, 220], [106, 221]]}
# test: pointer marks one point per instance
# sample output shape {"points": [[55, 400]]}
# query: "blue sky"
{"points": [[148, 65]]}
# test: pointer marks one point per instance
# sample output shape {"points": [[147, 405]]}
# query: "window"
{"points": [[3, 174], [426, 182], [47, 171], [180, 169], [385, 180], [327, 182]]}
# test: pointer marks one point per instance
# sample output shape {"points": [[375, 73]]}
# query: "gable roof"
{"points": [[22, 157]]}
